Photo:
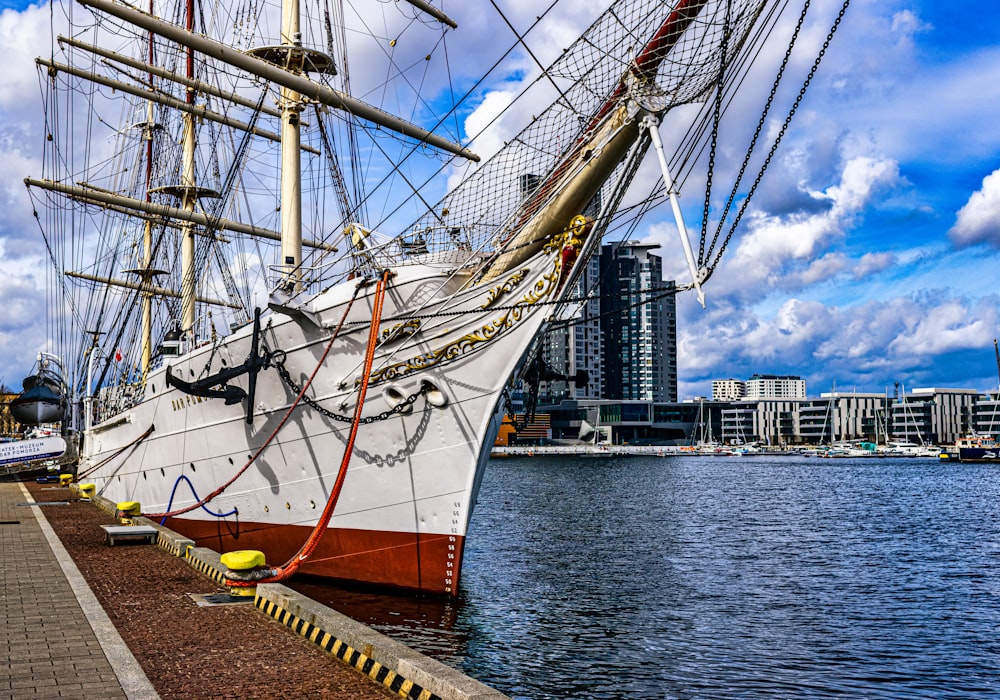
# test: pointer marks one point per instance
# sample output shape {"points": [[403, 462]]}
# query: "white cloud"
{"points": [[872, 263], [906, 24], [950, 326], [773, 244], [979, 220]]}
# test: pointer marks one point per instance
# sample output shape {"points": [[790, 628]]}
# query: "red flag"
{"points": [[118, 355]]}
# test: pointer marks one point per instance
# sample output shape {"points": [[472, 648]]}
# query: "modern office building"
{"points": [[933, 416], [640, 337], [840, 416], [985, 418], [772, 422], [578, 345], [626, 344]]}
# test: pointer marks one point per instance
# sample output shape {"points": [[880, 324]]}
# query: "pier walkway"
{"points": [[58, 639]]}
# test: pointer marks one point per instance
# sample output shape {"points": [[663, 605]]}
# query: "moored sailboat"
{"points": [[355, 412]]}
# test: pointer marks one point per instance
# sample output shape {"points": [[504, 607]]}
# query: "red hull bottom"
{"points": [[409, 561]]}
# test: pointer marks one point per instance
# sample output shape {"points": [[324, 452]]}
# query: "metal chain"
{"points": [[781, 134], [399, 408], [756, 136], [720, 87]]}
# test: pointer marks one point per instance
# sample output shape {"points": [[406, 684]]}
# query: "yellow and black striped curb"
{"points": [[346, 653], [387, 661]]}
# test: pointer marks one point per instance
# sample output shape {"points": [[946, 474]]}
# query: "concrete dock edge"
{"points": [[367, 650], [385, 660]]}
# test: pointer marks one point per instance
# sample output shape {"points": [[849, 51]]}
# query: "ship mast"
{"points": [[188, 198], [146, 276], [291, 176]]}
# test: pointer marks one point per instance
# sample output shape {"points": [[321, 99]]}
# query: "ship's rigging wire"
{"points": [[469, 93]]}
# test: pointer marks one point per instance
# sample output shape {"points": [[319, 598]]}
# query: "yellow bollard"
{"points": [[239, 565], [126, 510], [87, 490]]}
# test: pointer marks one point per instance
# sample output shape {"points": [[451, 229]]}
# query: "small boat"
{"points": [[978, 448], [43, 399]]}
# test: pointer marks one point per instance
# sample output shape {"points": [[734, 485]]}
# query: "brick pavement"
{"points": [[59, 641]]}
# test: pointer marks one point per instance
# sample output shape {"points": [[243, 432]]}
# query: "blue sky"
{"points": [[871, 254]]}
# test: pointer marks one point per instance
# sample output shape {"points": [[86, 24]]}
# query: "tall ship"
{"points": [[290, 320]]}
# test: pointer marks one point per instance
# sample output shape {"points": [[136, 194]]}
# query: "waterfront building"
{"points": [[933, 416], [635, 422], [728, 389], [770, 421], [8, 426], [772, 386], [840, 416], [986, 416], [925, 416], [640, 340]]}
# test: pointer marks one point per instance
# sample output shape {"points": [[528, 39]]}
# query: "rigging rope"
{"points": [[285, 571], [277, 428], [110, 457]]}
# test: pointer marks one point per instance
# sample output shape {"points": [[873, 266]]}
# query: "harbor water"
{"points": [[719, 577]]}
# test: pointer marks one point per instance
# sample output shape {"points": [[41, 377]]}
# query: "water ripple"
{"points": [[723, 578]]}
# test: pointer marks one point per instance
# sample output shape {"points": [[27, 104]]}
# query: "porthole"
{"points": [[192, 467], [231, 460]]}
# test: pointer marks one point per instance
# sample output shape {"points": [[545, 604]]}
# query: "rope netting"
{"points": [[504, 191]]}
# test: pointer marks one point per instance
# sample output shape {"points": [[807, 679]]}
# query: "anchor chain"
{"points": [[312, 403]]}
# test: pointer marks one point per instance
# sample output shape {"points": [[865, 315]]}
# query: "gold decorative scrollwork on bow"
{"points": [[400, 331], [571, 239], [498, 292]]}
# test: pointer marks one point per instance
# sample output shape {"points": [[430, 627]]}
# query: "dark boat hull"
{"points": [[978, 454], [37, 405]]}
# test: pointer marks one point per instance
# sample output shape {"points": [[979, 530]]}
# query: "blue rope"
{"points": [[173, 491]]}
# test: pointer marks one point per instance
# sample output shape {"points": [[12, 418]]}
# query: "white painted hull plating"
{"points": [[403, 514]]}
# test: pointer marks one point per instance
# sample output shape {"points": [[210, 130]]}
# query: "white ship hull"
{"points": [[411, 487]]}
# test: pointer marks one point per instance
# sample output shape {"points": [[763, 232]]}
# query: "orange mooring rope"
{"points": [[282, 573], [277, 428]]}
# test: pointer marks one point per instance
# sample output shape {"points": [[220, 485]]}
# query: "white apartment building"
{"points": [[771, 386], [728, 389]]}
